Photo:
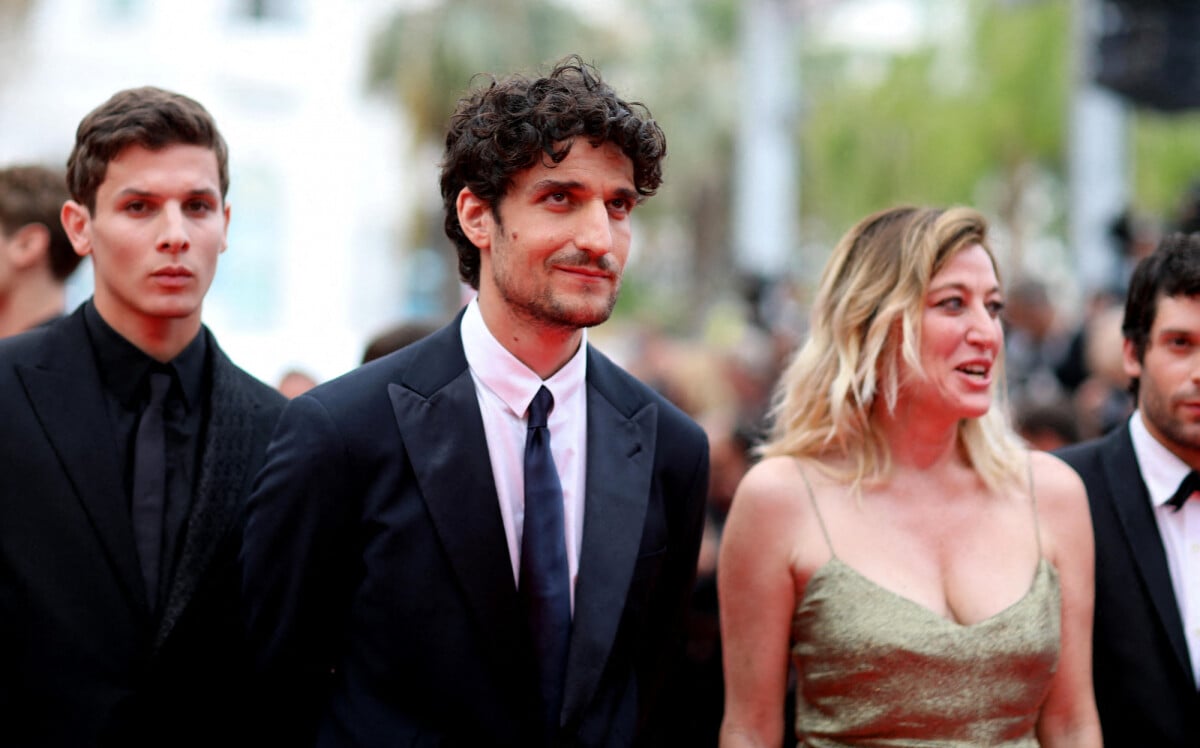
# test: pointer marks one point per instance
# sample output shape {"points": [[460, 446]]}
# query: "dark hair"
{"points": [[35, 194], [502, 129], [149, 117], [1173, 269]]}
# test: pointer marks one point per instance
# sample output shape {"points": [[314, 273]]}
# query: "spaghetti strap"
{"points": [[813, 499], [1037, 530]]}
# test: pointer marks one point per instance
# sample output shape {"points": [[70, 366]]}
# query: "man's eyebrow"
{"points": [[133, 192], [558, 185], [1178, 332], [555, 185], [196, 192], [630, 195]]}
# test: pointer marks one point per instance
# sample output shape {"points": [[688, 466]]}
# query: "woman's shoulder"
{"points": [[770, 485], [1061, 501], [773, 515], [1055, 481], [778, 494], [785, 480]]}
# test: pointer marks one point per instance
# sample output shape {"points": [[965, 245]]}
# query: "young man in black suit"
{"points": [[406, 584], [128, 444], [1146, 649]]}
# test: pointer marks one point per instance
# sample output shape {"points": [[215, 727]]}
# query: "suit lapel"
{"points": [[619, 466], [438, 414], [1132, 504], [222, 482], [64, 391]]}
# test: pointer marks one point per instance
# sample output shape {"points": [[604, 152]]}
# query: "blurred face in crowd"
{"points": [[553, 253], [1169, 376], [155, 235]]}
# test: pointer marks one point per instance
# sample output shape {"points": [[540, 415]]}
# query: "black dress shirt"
{"points": [[124, 373]]}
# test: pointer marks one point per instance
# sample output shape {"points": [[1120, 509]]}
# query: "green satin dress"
{"points": [[877, 669]]}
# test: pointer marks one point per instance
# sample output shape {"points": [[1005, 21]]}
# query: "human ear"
{"points": [[225, 230], [77, 222], [29, 245], [1133, 367], [475, 217]]}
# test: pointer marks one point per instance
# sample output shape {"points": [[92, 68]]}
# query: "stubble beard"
{"points": [[1160, 411], [548, 310]]}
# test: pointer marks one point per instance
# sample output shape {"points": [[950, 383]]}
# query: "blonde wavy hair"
{"points": [[865, 318]]}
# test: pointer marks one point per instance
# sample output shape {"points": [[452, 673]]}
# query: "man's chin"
{"points": [[575, 316], [588, 318]]}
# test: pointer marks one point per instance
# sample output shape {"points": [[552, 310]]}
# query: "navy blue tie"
{"points": [[149, 484], [1188, 486], [544, 583]]}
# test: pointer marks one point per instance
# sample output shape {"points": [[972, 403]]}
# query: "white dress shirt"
{"points": [[1162, 472], [505, 387]]}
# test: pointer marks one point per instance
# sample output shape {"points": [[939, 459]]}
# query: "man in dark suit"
{"points": [[119, 519], [1146, 650], [402, 583]]}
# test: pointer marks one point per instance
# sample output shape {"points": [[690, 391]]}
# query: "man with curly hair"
{"points": [[419, 567]]}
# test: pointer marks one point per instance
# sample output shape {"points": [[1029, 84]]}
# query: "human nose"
{"points": [[173, 235], [983, 328], [594, 233]]}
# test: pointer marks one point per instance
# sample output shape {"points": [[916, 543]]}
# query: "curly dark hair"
{"points": [[150, 117], [1173, 269], [503, 128]]}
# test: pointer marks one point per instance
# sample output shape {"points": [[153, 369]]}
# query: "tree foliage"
{"points": [[1166, 161], [975, 112], [939, 118], [429, 57]]}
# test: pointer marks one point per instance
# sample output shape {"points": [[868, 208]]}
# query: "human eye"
{"points": [[995, 308], [198, 205], [951, 303], [136, 207], [1179, 342], [620, 206]]}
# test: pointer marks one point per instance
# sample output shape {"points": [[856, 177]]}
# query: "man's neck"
{"points": [[160, 338], [544, 349]]}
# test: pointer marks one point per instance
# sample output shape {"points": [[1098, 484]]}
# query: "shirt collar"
{"points": [[504, 374], [1162, 470], [124, 367]]}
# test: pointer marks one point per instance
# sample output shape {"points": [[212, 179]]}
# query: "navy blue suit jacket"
{"points": [[82, 661], [1144, 687], [377, 574]]}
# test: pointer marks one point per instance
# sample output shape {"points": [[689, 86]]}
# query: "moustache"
{"points": [[605, 263]]}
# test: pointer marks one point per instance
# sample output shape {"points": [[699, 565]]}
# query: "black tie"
{"points": [[1189, 485], [149, 484], [544, 583]]}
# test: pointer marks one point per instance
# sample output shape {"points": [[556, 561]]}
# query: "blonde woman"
{"points": [[930, 577]]}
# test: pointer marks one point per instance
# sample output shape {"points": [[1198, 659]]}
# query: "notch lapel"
{"points": [[619, 467], [438, 415], [64, 392], [1132, 503]]}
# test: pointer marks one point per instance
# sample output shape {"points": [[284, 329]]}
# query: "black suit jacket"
{"points": [[378, 579], [1144, 687], [82, 662]]}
